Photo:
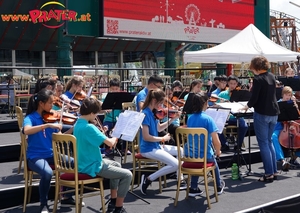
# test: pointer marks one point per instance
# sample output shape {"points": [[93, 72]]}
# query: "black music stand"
{"points": [[114, 100], [240, 95], [180, 95], [288, 112], [293, 82]]}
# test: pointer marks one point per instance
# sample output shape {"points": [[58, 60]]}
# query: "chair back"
{"points": [[20, 116], [194, 143], [22, 84], [129, 106], [61, 144]]}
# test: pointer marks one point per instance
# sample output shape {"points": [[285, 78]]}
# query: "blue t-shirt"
{"points": [[202, 120], [39, 146], [69, 94], [89, 138], [141, 97], [152, 123]]}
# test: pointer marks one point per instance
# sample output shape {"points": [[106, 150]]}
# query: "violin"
{"points": [[164, 112], [215, 98], [74, 104], [178, 102], [54, 116], [80, 95]]}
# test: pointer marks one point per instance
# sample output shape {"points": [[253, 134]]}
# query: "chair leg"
{"points": [[215, 185], [20, 158], [79, 205], [76, 199], [25, 193], [125, 153], [102, 196], [56, 198], [177, 193], [133, 175], [30, 186], [206, 190]]}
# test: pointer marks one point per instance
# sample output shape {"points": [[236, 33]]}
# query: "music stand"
{"points": [[288, 112], [113, 101], [240, 95], [180, 95], [294, 83]]}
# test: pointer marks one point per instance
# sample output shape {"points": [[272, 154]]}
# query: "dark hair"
{"points": [[217, 78], [114, 82], [232, 77], [222, 78], [77, 80], [42, 83], [158, 94], [155, 79], [195, 83], [259, 63], [199, 100], [90, 105], [41, 96], [177, 84]]}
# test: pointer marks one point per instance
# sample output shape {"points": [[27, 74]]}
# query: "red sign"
{"points": [[189, 20]]}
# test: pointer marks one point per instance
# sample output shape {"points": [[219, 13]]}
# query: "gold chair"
{"points": [[196, 165], [20, 117], [142, 164], [128, 106], [22, 90], [69, 177]]}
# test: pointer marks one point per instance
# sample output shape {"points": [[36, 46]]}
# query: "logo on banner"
{"points": [[53, 18]]}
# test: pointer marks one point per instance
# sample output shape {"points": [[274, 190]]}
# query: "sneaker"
{"points": [[122, 210], [44, 209], [111, 207], [69, 202], [144, 184], [221, 188], [195, 192], [183, 185], [285, 166]]}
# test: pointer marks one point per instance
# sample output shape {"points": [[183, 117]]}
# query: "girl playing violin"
{"points": [[74, 85], [39, 149], [287, 95], [195, 87], [150, 141]]}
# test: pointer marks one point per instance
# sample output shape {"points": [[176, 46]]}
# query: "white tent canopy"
{"points": [[241, 48]]}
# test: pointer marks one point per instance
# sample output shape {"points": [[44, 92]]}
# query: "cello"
{"points": [[290, 135]]}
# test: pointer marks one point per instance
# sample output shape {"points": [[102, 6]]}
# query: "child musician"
{"points": [[89, 157], [39, 150], [200, 119], [287, 95], [150, 141]]}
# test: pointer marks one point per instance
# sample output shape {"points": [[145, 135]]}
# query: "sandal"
{"points": [[266, 179]]}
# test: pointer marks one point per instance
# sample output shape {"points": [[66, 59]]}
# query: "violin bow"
{"points": [[62, 112]]}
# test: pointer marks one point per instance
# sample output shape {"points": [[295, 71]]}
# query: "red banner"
{"points": [[212, 21]]}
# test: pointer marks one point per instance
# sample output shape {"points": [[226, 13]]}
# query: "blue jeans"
{"points": [[242, 129], [42, 167], [264, 126], [194, 179]]}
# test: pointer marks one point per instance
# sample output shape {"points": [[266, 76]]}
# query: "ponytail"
{"points": [[41, 96]]}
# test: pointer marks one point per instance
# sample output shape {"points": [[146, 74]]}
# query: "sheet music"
{"points": [[235, 107], [219, 116], [128, 124]]}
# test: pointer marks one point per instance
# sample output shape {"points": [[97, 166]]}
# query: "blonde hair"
{"points": [[157, 94], [286, 90], [77, 80], [288, 70]]}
